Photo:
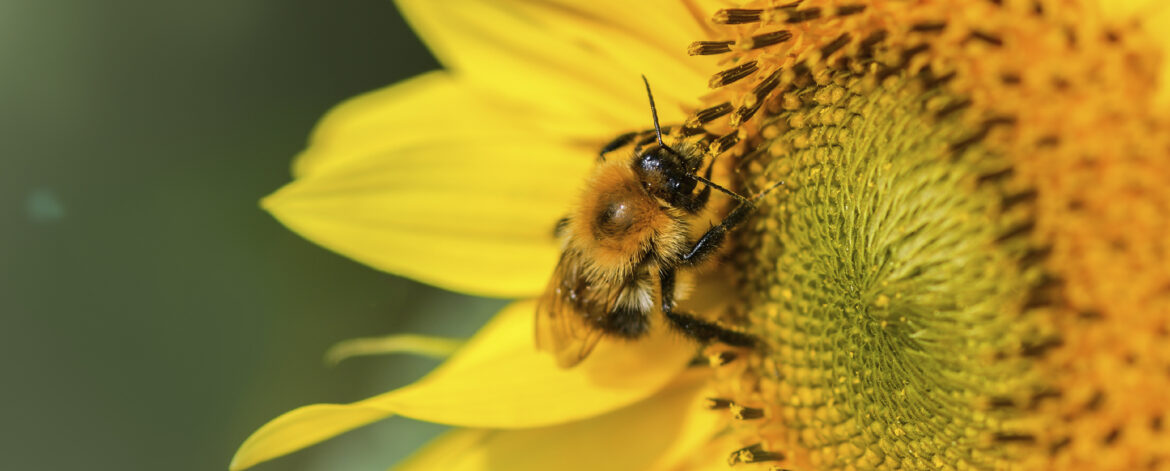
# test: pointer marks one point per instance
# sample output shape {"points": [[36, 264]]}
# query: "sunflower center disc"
{"points": [[885, 278]]}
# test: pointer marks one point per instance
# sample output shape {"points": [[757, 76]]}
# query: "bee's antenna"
{"points": [[653, 112]]}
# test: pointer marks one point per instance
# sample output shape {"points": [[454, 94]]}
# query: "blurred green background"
{"points": [[152, 315]]}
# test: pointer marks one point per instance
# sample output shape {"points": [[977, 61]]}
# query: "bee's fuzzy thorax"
{"points": [[615, 249]]}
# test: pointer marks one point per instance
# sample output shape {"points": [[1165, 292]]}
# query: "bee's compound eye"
{"points": [[615, 218]]}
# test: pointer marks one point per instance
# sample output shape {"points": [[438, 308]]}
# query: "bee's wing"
{"points": [[563, 326]]}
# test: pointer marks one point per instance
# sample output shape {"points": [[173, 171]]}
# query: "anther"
{"points": [[913, 51], [1039, 347], [907, 54], [1042, 395], [865, 49], [929, 27], [1037, 298], [716, 403], [733, 74], [1070, 36], [759, 94], [1058, 445], [753, 454], [1016, 231], [1094, 403], [722, 358], [999, 121], [934, 81], [688, 131], [768, 39], [996, 176], [952, 108], [801, 72], [846, 10], [1022, 197], [1049, 281], [835, 45], [962, 145], [765, 87], [799, 16], [1112, 436], [1035, 255], [745, 413], [985, 37], [1000, 402], [723, 143], [1014, 437], [707, 115], [1048, 141], [706, 48], [736, 16]]}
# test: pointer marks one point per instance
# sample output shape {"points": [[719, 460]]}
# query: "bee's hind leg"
{"points": [[693, 327]]}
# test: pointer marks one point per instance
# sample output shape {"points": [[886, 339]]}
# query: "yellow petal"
{"points": [[696, 427], [579, 62], [300, 428], [425, 345], [498, 380], [471, 212], [429, 108], [637, 437]]}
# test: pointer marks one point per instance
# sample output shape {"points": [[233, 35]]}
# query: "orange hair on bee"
{"points": [[617, 221]]}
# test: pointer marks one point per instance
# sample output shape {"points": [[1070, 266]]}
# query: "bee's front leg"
{"points": [[714, 237], [699, 200], [693, 327]]}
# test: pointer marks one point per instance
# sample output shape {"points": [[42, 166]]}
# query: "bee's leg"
{"points": [[693, 327], [699, 201], [714, 237], [617, 143]]}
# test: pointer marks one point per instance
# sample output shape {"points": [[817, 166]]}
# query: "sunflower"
{"points": [[965, 266]]}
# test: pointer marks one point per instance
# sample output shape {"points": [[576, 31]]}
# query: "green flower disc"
{"points": [[889, 277]]}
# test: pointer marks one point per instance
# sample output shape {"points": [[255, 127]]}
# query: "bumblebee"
{"points": [[624, 244]]}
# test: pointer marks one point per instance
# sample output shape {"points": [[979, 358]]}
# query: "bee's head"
{"points": [[665, 174]]}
